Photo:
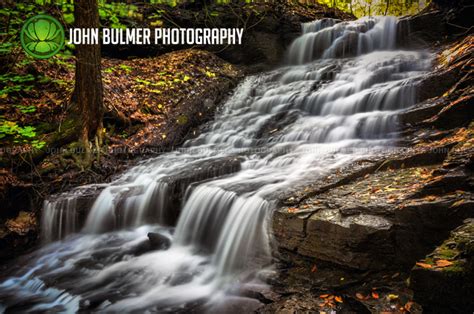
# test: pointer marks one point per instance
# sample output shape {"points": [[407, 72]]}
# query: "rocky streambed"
{"points": [[363, 228], [356, 193]]}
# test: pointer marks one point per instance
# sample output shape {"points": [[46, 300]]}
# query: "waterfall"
{"points": [[336, 101], [329, 39]]}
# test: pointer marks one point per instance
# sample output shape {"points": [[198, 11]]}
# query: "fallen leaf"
{"points": [[392, 297], [408, 306], [314, 269], [338, 299], [375, 295], [424, 265], [443, 263], [323, 296], [360, 296], [292, 209], [458, 203]]}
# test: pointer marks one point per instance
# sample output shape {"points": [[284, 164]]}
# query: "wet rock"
{"points": [[381, 221], [159, 241], [340, 177], [421, 29], [447, 284], [182, 278], [200, 171], [236, 305], [458, 113], [347, 240], [421, 112]]}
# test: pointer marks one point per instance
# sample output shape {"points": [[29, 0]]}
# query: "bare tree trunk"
{"points": [[387, 6], [88, 90]]}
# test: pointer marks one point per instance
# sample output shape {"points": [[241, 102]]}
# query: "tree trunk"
{"points": [[387, 6], [87, 96]]}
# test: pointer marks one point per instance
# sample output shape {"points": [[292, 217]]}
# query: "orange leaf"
{"points": [[375, 295], [314, 269], [360, 296], [323, 296], [443, 263], [292, 209], [408, 306], [338, 299], [424, 265]]}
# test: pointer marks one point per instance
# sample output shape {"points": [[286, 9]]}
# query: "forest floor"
{"points": [[152, 105]]}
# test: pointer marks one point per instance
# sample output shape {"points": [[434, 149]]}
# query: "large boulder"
{"points": [[444, 281]]}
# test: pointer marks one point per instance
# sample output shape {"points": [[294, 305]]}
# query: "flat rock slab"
{"points": [[385, 219]]}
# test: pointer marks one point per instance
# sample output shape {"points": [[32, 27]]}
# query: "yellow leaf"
{"points": [[157, 23], [458, 203], [392, 297]]}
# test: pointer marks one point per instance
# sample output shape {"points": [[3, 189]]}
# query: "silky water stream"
{"points": [[336, 101]]}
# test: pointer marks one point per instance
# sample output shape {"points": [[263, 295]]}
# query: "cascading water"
{"points": [[337, 102]]}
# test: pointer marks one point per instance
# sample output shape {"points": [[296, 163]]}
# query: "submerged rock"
{"points": [[159, 241]]}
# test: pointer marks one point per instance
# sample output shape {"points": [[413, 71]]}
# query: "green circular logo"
{"points": [[42, 36]]}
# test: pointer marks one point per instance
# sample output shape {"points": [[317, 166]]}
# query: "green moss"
{"points": [[457, 267], [446, 253]]}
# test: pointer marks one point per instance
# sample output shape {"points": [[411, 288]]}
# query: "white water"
{"points": [[287, 127]]}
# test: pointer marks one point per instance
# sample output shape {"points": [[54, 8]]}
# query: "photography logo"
{"points": [[42, 36]]}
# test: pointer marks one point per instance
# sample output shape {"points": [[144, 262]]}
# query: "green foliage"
{"points": [[10, 130], [10, 83], [26, 109], [122, 68], [377, 7]]}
